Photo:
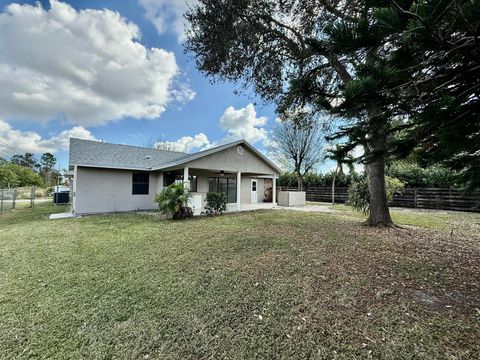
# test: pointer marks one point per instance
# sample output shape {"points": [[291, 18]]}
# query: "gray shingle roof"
{"points": [[101, 154], [106, 155]]}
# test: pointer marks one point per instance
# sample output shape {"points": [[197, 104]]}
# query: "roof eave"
{"points": [[113, 167], [218, 149]]}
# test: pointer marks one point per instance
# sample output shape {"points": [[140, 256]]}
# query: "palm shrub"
{"points": [[359, 196], [216, 203], [172, 201]]}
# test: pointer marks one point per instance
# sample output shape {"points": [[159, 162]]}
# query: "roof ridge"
{"points": [[132, 146]]}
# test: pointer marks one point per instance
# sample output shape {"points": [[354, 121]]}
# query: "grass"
{"points": [[267, 284], [433, 219]]}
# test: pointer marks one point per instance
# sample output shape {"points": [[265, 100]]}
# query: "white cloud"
{"points": [[243, 124], [16, 141], [87, 66], [237, 123], [186, 143], [167, 15]]}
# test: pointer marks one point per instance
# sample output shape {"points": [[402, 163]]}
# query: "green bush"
{"points": [[318, 179], [172, 199], [414, 175], [13, 175], [287, 179], [359, 196], [216, 202], [8, 177]]}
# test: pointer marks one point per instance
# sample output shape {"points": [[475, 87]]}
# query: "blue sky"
{"points": [[50, 91]]}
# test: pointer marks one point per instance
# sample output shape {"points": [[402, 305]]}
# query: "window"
{"points": [[225, 185], [140, 181], [169, 179]]}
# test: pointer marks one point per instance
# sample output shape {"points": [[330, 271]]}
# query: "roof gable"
{"points": [[105, 155], [234, 161]]}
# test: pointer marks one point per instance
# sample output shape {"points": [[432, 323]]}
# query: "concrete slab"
{"points": [[62, 216]]}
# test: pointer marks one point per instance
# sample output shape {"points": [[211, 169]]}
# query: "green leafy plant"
{"points": [[13, 175], [216, 203], [289, 179], [359, 196], [416, 176], [172, 200]]}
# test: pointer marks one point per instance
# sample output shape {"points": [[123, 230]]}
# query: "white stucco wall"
{"points": [[107, 190]]}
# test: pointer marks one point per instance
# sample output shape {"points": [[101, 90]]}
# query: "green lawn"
{"points": [[268, 284]]}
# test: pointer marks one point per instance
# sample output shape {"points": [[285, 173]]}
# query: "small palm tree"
{"points": [[341, 156], [172, 199]]}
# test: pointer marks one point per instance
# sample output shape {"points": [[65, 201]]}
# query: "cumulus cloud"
{"points": [[186, 144], [243, 124], [167, 15], [16, 141], [87, 66], [238, 124]]}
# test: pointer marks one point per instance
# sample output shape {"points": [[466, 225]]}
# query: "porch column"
{"points": [[186, 183], [239, 187], [274, 190]]}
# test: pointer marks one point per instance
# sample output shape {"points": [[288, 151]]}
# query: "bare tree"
{"points": [[298, 142], [164, 145]]}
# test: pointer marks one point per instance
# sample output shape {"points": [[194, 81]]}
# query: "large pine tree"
{"points": [[440, 101], [364, 60]]}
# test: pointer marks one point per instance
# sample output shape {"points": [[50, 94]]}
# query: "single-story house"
{"points": [[114, 178]]}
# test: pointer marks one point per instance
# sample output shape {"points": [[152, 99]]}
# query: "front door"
{"points": [[254, 199]]}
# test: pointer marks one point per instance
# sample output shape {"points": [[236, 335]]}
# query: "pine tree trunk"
{"points": [[379, 212]]}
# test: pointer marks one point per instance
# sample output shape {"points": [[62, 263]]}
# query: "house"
{"points": [[113, 178]]}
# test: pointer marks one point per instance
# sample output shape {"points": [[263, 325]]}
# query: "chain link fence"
{"points": [[11, 199]]}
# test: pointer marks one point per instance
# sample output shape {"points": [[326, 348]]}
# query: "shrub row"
{"points": [[412, 175]]}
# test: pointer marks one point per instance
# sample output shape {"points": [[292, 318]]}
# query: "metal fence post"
{"points": [[32, 197]]}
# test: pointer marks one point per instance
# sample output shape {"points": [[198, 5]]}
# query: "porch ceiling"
{"points": [[192, 171]]}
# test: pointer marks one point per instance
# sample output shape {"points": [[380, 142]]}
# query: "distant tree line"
{"points": [[26, 170], [411, 174]]}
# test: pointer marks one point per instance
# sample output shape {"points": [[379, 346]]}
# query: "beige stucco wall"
{"points": [[291, 198], [107, 190], [99, 190], [246, 189], [229, 160]]}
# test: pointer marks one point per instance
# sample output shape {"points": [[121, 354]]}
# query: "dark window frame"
{"points": [[192, 179], [139, 185], [216, 179]]}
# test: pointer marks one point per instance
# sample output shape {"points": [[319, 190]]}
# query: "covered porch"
{"points": [[244, 190]]}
